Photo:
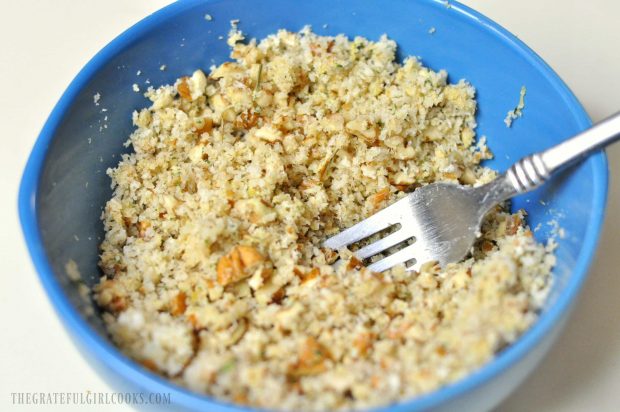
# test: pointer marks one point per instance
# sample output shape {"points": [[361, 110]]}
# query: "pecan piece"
{"points": [[238, 264], [183, 89], [178, 305], [378, 198], [312, 360]]}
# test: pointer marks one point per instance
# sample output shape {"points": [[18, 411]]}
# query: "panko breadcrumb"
{"points": [[517, 112], [214, 276]]}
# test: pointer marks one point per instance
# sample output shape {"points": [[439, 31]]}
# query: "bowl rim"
{"points": [[107, 353]]}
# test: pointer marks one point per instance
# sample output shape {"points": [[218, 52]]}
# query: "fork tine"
{"points": [[382, 244], [417, 265], [383, 219], [413, 251]]}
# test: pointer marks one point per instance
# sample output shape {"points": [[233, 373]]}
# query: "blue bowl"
{"points": [[64, 185]]}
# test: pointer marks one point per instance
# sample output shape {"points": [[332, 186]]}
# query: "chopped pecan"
{"points": [[378, 198], [255, 210], [354, 263], [308, 183], [204, 125], [118, 304], [178, 305], [111, 296], [247, 120], [241, 399], [362, 128], [312, 360], [183, 89], [330, 256], [363, 342], [238, 264], [375, 381], [314, 49], [150, 365], [269, 134], [330, 45], [513, 224], [278, 296], [401, 188], [399, 331], [487, 246], [193, 320], [237, 333], [307, 276], [142, 227]]}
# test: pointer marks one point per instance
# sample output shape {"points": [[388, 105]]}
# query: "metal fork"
{"points": [[444, 219]]}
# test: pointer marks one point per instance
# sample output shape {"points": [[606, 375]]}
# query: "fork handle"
{"points": [[532, 171]]}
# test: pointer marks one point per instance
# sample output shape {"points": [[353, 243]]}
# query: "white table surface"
{"points": [[45, 43]]}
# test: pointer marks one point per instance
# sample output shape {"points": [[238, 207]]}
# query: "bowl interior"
{"points": [[84, 137]]}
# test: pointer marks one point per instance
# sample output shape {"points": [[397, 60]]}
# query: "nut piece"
{"points": [[354, 263], [378, 198], [269, 134], [306, 277], [514, 222], [361, 128], [255, 211], [143, 226], [219, 103], [191, 88], [150, 365], [333, 123], [178, 305], [402, 180], [247, 120], [238, 264], [183, 89], [363, 342], [111, 296], [204, 125], [195, 153], [238, 331], [312, 359]]}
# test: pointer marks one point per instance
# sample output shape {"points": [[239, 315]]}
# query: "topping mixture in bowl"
{"points": [[214, 275]]}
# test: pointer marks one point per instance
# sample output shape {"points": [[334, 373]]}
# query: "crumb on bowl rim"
{"points": [[112, 357]]}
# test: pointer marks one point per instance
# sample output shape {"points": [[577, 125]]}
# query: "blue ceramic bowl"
{"points": [[65, 186]]}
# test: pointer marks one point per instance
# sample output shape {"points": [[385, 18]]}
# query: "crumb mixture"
{"points": [[517, 112], [214, 276]]}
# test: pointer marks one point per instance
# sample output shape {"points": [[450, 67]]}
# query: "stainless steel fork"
{"points": [[443, 220]]}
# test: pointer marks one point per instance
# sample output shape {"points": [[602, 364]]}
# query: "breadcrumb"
{"points": [[71, 268], [518, 110]]}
